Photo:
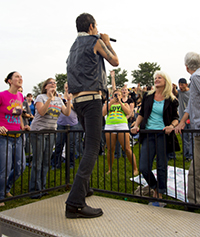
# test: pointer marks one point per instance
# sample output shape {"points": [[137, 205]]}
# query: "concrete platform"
{"points": [[120, 218]]}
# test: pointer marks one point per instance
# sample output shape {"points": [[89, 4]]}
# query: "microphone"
{"points": [[111, 39]]}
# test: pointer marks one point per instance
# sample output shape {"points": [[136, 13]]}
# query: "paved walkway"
{"points": [[120, 218]]}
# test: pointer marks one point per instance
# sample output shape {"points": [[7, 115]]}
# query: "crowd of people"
{"points": [[128, 109], [159, 107]]}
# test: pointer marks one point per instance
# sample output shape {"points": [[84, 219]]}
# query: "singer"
{"points": [[86, 80]]}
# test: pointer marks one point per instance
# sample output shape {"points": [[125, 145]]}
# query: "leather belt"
{"points": [[12, 135], [84, 98]]}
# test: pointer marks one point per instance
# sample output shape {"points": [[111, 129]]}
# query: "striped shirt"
{"points": [[193, 108]]}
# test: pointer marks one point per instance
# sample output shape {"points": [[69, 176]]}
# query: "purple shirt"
{"points": [[71, 120]]}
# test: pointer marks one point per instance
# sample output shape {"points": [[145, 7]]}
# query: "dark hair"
{"points": [[9, 77], [43, 90], [29, 94], [148, 88], [83, 22]]}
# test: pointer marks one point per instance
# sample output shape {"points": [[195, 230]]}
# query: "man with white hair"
{"points": [[192, 63]]}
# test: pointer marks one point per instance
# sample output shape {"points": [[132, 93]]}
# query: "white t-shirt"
{"points": [[49, 120]]}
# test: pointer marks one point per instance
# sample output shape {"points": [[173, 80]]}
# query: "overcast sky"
{"points": [[35, 36]]}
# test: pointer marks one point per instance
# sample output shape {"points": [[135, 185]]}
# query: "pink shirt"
{"points": [[10, 110]]}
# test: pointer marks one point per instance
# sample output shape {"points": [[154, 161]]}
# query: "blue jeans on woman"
{"points": [[150, 147], [90, 117], [42, 145], [60, 142], [15, 162]]}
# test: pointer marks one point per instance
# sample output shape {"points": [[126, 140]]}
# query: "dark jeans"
{"points": [[90, 117], [187, 143], [103, 142], [60, 142], [150, 148]]}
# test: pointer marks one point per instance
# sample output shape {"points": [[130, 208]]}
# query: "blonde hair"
{"points": [[167, 92]]}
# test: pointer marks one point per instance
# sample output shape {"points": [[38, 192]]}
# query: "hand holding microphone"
{"points": [[110, 55], [113, 40], [106, 38]]}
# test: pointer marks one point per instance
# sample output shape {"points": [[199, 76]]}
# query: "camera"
{"points": [[64, 101], [115, 95]]}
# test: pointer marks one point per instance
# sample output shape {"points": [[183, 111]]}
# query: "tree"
{"points": [[61, 79], [144, 75], [37, 89], [120, 78]]}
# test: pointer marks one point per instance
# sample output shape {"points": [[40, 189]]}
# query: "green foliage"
{"points": [[144, 75], [37, 89], [61, 79], [120, 78]]}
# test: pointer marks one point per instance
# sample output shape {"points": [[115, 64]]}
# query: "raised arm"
{"points": [[174, 90], [112, 74], [131, 114], [125, 107], [104, 47], [43, 107], [66, 110]]}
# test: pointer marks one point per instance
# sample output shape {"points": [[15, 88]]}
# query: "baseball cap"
{"points": [[182, 80]]}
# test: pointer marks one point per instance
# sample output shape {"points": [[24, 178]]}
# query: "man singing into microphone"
{"points": [[86, 79]]}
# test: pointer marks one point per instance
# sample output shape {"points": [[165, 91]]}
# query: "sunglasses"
{"points": [[52, 83]]}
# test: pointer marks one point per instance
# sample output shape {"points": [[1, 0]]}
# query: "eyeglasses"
{"points": [[52, 83]]}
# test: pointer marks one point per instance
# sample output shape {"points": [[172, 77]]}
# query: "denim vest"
{"points": [[85, 69]]}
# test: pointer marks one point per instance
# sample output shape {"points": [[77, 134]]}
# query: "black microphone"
{"points": [[111, 39]]}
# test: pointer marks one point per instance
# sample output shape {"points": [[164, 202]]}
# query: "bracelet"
{"points": [[173, 125]]}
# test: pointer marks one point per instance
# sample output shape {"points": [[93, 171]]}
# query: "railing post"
{"points": [[67, 155]]}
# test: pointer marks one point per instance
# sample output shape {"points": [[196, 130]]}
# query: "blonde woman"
{"points": [[116, 120], [158, 112]]}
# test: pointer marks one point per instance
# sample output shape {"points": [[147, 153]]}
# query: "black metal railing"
{"points": [[120, 181]]}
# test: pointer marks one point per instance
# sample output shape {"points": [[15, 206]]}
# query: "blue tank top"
{"points": [[155, 120]]}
